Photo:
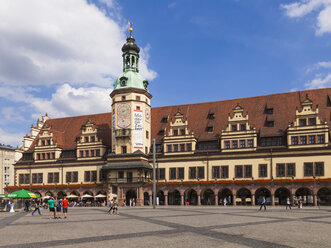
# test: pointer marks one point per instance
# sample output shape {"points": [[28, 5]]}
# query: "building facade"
{"points": [[234, 151], [8, 157]]}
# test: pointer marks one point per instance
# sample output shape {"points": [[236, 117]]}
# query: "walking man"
{"points": [[263, 204], [59, 208], [110, 207], [36, 207], [65, 207], [288, 203]]}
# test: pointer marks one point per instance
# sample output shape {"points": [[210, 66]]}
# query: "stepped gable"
{"points": [[283, 104], [66, 130]]}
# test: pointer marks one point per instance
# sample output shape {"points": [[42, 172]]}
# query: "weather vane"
{"points": [[130, 28]]}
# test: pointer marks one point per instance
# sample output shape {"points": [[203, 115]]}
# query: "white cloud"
{"points": [[172, 5], [320, 81], [326, 64], [10, 138], [46, 42], [304, 7]]}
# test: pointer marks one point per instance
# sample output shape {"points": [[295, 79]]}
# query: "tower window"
{"points": [[138, 98], [138, 108], [123, 98]]}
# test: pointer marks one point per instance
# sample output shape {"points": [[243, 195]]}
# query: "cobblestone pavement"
{"points": [[170, 227]]}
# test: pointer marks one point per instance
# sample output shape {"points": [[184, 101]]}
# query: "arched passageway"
{"points": [[306, 195], [260, 193], [192, 197], [225, 197], [61, 195], [324, 196], [244, 197], [131, 195], [174, 198], [208, 197], [160, 196], [146, 199], [281, 194]]}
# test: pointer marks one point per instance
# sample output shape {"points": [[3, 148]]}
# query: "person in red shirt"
{"points": [[65, 207]]}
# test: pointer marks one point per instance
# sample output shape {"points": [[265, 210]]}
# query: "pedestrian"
{"points": [[110, 207], [130, 202], [59, 208], [288, 203], [224, 201], [133, 202], [263, 204], [300, 202], [51, 208], [36, 207], [115, 207], [65, 207], [27, 206], [318, 203]]}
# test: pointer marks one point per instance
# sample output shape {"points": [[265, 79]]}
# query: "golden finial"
{"points": [[130, 28]]}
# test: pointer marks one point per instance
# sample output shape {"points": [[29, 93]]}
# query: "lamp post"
{"points": [[154, 175]]}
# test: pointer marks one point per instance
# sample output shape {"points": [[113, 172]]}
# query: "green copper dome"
{"points": [[131, 79]]}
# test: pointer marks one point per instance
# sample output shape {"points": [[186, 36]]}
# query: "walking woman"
{"points": [[36, 207], [288, 203]]}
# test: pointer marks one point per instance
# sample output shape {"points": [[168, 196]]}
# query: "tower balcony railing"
{"points": [[122, 133], [117, 180]]}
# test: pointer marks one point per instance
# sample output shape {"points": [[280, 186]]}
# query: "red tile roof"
{"points": [[66, 130]]}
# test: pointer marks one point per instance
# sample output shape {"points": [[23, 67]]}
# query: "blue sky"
{"points": [[62, 57]]}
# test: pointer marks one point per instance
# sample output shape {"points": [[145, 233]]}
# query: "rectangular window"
{"points": [[92, 138], [216, 171], [50, 177], [21, 178], [162, 173], [175, 132], [189, 147], [250, 143], [224, 171], [40, 177], [238, 171], [201, 172], [210, 129], [27, 179], [303, 140], [138, 98], [182, 132], [81, 154], [234, 144], [44, 156], [270, 111], [182, 147], [242, 143], [312, 139], [147, 135], [270, 124], [97, 152], [302, 122], [120, 174], [172, 175], [211, 116], [193, 172], [308, 169], [180, 173], [48, 142], [43, 143], [34, 178], [123, 149], [290, 168], [280, 170], [294, 140], [56, 177], [87, 153], [169, 148], [68, 177], [227, 144], [38, 156], [234, 128], [158, 148], [94, 176], [137, 107], [263, 170], [320, 139], [92, 153], [175, 148], [319, 169], [243, 127], [75, 176], [48, 155], [86, 139], [248, 171], [53, 155], [312, 121], [87, 176]]}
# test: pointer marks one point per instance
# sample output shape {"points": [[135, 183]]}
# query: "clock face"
{"points": [[148, 114], [123, 115]]}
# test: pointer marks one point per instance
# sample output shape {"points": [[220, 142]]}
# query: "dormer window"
{"points": [[86, 139], [270, 124], [123, 81], [302, 122], [48, 142], [312, 121], [182, 132], [242, 127], [210, 129], [211, 116], [92, 138], [145, 83], [43, 143], [164, 120], [234, 128], [161, 132], [270, 111], [175, 132]]}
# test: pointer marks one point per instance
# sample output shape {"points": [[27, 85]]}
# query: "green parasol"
{"points": [[22, 194]]}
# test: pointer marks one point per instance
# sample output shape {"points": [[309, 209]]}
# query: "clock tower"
{"points": [[131, 111]]}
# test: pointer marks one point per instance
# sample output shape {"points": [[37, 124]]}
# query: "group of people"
{"points": [[56, 206], [113, 207]]}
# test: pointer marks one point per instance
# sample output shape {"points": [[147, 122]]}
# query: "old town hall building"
{"points": [[238, 151]]}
